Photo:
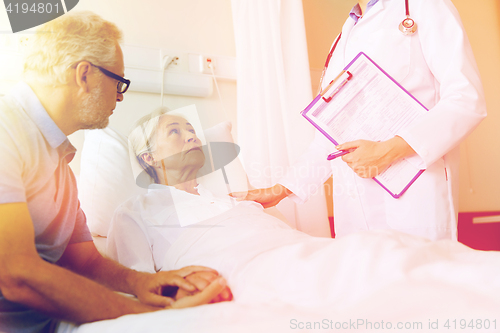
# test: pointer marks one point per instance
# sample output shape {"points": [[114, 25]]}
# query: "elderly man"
{"points": [[49, 266]]}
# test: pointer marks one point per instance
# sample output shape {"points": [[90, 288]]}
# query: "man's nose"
{"points": [[119, 97]]}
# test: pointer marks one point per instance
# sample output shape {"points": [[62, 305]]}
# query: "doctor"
{"points": [[435, 63]]}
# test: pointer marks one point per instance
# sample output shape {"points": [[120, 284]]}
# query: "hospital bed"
{"points": [[284, 280]]}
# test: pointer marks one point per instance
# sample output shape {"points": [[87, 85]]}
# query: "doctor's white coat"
{"points": [[437, 66]]}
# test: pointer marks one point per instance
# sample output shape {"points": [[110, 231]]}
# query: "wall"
{"points": [[480, 156]]}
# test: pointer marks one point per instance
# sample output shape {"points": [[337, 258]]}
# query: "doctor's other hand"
{"points": [[148, 287], [370, 158], [267, 197]]}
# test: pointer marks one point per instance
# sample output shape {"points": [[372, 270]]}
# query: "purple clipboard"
{"points": [[327, 95]]}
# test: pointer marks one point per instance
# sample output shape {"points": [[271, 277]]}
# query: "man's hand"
{"points": [[84, 259], [197, 285], [370, 158], [267, 197]]}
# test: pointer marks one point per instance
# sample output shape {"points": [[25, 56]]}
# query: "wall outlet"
{"points": [[13, 43], [23, 42], [223, 67], [207, 64], [171, 60]]}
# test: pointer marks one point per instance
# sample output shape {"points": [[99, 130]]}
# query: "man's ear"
{"points": [[148, 158], [82, 72]]}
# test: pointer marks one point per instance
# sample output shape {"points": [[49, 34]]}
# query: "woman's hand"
{"points": [[197, 285], [369, 158], [267, 197], [203, 280]]}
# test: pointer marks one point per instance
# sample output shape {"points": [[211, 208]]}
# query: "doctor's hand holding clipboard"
{"points": [[369, 158], [434, 63]]}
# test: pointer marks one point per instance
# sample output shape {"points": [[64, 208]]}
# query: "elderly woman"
{"points": [[144, 228], [169, 151], [179, 222]]}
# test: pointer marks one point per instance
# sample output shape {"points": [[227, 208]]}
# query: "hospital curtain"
{"points": [[273, 86]]}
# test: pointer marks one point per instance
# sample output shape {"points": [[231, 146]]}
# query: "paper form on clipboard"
{"points": [[364, 102]]}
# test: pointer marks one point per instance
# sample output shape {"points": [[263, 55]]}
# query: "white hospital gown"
{"points": [[144, 227]]}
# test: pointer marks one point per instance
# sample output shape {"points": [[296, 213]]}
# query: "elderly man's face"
{"points": [[98, 106]]}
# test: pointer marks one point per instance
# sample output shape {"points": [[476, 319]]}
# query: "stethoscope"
{"points": [[408, 27]]}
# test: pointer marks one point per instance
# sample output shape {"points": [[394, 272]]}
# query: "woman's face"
{"points": [[176, 144]]}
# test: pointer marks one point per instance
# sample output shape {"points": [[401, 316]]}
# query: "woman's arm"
{"points": [[302, 179]]}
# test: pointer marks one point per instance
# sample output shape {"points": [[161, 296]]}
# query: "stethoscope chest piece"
{"points": [[408, 26]]}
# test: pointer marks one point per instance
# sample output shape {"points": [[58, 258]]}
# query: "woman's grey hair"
{"points": [[141, 139]]}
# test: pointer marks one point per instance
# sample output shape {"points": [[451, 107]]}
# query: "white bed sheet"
{"points": [[281, 278]]}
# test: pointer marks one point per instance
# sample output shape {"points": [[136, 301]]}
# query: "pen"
{"points": [[333, 156]]}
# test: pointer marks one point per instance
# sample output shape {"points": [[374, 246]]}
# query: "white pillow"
{"points": [[107, 178]]}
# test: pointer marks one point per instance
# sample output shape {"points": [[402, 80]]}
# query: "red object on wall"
{"points": [[332, 226], [479, 236]]}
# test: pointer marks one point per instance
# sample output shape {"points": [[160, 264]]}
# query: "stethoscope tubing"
{"points": [[402, 27]]}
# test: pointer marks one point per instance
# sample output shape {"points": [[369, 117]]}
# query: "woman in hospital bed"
{"points": [[179, 223]]}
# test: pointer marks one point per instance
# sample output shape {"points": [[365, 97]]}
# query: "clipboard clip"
{"points": [[336, 90]]}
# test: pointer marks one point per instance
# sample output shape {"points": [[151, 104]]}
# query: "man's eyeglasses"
{"points": [[123, 83]]}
